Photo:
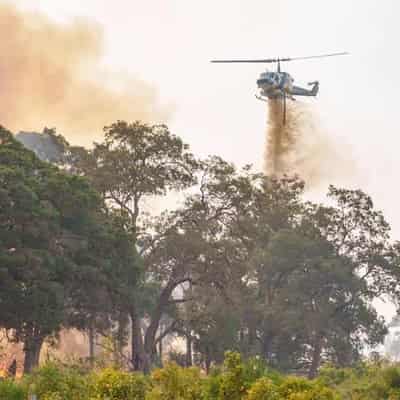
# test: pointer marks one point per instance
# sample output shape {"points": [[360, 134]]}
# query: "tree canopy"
{"points": [[242, 263]]}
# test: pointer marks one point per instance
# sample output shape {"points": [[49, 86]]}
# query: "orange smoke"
{"points": [[50, 75], [300, 147]]}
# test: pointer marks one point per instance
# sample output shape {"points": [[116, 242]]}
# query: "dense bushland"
{"points": [[235, 380], [243, 262]]}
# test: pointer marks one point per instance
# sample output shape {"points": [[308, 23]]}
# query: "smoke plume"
{"points": [[51, 75], [300, 147]]}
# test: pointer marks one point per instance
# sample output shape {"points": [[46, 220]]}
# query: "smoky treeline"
{"points": [[242, 263]]}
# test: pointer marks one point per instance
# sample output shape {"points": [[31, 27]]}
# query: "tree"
{"points": [[301, 276], [134, 162], [243, 263], [57, 253]]}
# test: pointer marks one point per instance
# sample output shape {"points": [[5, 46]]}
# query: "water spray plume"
{"points": [[51, 74], [300, 147]]}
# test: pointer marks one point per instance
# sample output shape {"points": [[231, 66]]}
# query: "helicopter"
{"points": [[279, 84]]}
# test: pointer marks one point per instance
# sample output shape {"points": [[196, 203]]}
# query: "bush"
{"points": [[212, 385], [294, 388], [391, 377], [9, 390], [322, 393], [263, 389], [176, 383], [256, 368], [331, 376], [236, 380], [111, 384], [54, 381], [233, 385]]}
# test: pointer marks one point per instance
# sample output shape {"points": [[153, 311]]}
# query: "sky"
{"points": [[169, 43]]}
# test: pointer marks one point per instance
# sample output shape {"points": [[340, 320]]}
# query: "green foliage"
{"points": [[331, 376], [9, 390], [233, 385], [239, 377], [117, 385], [255, 368], [294, 388], [63, 260], [212, 385], [176, 383], [260, 271], [366, 381], [54, 381], [391, 377], [294, 384], [291, 388], [263, 389]]}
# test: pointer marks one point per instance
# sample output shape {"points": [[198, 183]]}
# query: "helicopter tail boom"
{"points": [[298, 91]]}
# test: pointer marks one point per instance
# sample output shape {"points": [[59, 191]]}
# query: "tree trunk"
{"points": [[251, 350], [135, 335], [344, 354], [32, 347], [12, 369], [160, 351], [119, 340], [266, 346], [208, 361], [91, 335], [316, 357], [241, 336], [140, 360], [189, 357], [150, 336]]}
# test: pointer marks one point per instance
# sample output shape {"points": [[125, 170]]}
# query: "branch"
{"points": [[166, 332], [178, 301]]}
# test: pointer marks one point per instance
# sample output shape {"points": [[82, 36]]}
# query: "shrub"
{"points": [[176, 383], [322, 393], [394, 394], [294, 388], [212, 385], [111, 384], [256, 368], [292, 385], [53, 381], [233, 386], [331, 376], [9, 390], [391, 377], [177, 357], [263, 389]]}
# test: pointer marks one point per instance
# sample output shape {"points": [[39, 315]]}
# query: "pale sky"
{"points": [[169, 44]]}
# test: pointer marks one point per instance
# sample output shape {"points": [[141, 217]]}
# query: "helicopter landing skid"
{"points": [[260, 98]]}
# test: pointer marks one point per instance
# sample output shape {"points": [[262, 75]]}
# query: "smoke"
{"points": [[51, 75], [300, 147]]}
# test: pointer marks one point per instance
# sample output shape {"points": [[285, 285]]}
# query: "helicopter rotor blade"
{"points": [[268, 60], [344, 53], [277, 60]]}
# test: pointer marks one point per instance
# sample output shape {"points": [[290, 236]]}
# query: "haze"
{"points": [[169, 44]]}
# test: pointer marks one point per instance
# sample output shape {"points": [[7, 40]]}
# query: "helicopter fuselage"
{"points": [[275, 85]]}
